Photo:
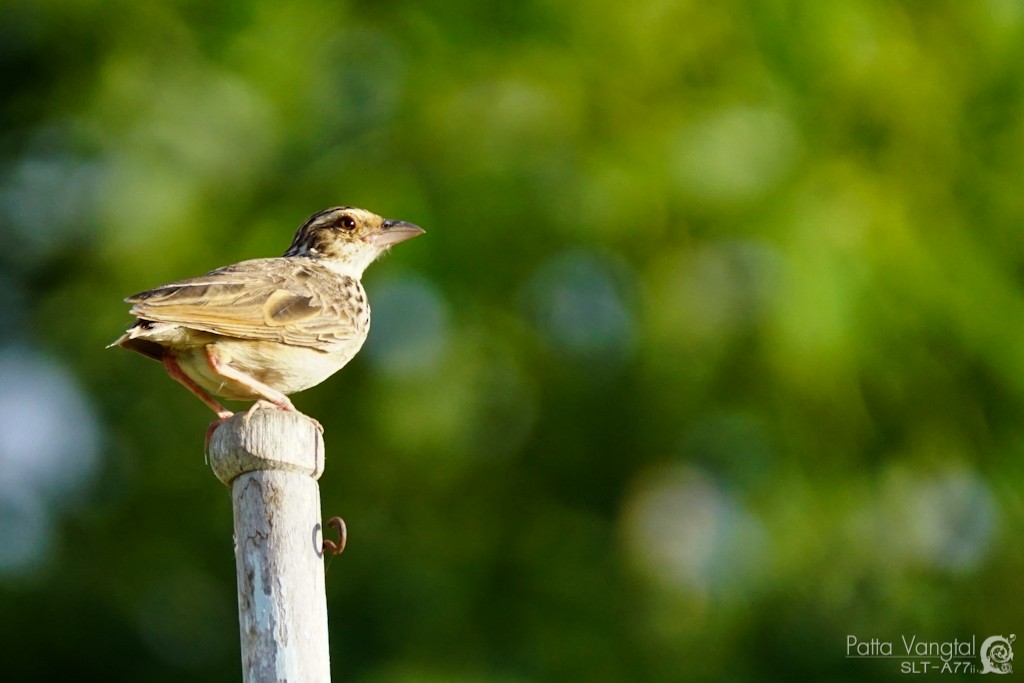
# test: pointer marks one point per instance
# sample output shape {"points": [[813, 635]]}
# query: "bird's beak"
{"points": [[393, 232]]}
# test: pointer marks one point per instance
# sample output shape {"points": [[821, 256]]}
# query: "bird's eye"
{"points": [[347, 222]]}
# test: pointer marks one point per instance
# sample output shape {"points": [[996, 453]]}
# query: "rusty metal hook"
{"points": [[330, 547]]}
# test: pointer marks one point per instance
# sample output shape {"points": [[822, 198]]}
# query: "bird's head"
{"points": [[349, 238]]}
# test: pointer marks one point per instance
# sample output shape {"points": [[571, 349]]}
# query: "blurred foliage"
{"points": [[711, 356]]}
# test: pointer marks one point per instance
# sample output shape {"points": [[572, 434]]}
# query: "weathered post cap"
{"points": [[266, 438]]}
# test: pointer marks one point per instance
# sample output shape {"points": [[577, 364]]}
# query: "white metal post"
{"points": [[272, 459]]}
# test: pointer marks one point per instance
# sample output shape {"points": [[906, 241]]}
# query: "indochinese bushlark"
{"points": [[266, 328]]}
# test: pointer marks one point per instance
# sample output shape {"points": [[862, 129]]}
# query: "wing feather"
{"points": [[278, 299]]}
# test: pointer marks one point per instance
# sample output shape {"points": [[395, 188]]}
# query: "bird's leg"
{"points": [[174, 370], [219, 364]]}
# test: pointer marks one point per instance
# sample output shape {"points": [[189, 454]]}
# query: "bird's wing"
{"points": [[293, 302]]}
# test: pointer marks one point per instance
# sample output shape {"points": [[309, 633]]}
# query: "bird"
{"points": [[269, 327]]}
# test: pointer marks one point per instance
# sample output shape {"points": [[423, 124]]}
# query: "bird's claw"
{"points": [[221, 419]]}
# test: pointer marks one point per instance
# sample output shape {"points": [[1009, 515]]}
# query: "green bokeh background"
{"points": [[711, 357]]}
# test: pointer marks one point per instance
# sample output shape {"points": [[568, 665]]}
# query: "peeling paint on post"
{"points": [[272, 459]]}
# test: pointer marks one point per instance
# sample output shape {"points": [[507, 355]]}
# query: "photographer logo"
{"points": [[996, 654], [957, 656]]}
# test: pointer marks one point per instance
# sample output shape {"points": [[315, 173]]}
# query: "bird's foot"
{"points": [[285, 405]]}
